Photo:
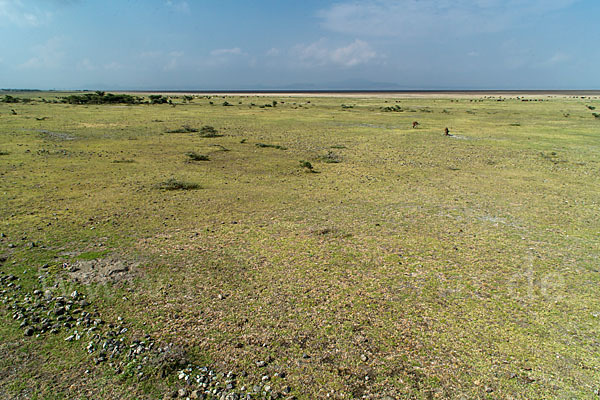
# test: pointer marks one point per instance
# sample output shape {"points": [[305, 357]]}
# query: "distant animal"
{"points": [[13, 112], [447, 132], [415, 124]]}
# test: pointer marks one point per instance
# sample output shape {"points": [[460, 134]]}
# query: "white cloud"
{"points": [[409, 18], [47, 55], [236, 51], [319, 53], [181, 6], [15, 12], [273, 52]]}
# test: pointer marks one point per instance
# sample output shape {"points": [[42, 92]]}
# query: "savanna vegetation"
{"points": [[299, 247]]}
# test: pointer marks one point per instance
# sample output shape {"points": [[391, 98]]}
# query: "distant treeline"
{"points": [[102, 98], [98, 97]]}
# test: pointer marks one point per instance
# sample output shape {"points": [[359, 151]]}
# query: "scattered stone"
{"points": [[364, 357], [29, 331]]}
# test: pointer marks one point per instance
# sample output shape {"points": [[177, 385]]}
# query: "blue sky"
{"points": [[269, 44]]}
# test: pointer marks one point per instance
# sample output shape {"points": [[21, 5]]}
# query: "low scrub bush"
{"points": [[193, 156], [274, 146], [174, 184], [395, 108], [183, 129], [208, 131], [307, 166]]}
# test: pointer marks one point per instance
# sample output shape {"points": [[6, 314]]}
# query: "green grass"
{"points": [[457, 266]]}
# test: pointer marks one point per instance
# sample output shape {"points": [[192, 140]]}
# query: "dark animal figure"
{"points": [[415, 124], [13, 112], [447, 132]]}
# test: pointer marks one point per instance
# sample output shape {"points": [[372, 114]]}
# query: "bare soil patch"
{"points": [[112, 269]]}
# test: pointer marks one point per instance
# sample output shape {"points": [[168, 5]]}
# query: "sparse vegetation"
{"points": [[175, 184], [273, 146], [208, 131], [193, 156], [394, 108], [183, 129], [438, 267]]}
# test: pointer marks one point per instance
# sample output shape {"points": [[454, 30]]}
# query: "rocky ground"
{"points": [[44, 312]]}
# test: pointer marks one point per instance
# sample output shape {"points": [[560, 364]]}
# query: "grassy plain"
{"points": [[408, 263]]}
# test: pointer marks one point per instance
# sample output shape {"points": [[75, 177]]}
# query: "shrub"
{"points": [[174, 184], [123, 161], [591, 107], [208, 131], [101, 98], [158, 99], [596, 115], [10, 99], [4, 153], [274, 146], [227, 104], [193, 156], [307, 166], [183, 129], [395, 108]]}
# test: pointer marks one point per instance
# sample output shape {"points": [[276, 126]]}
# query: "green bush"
{"points": [[10, 99], [174, 184], [158, 99], [208, 131], [274, 146], [183, 129], [193, 156], [307, 166], [101, 98]]}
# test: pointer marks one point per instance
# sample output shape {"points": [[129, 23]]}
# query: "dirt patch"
{"points": [[101, 125], [104, 270]]}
